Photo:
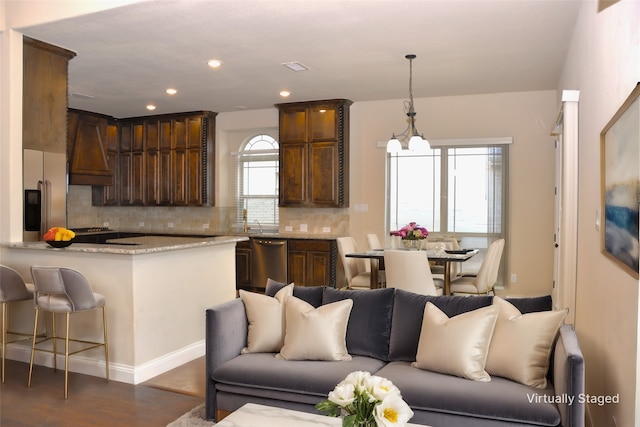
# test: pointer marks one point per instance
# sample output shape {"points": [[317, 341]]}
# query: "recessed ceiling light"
{"points": [[295, 66], [214, 63], [284, 93], [171, 91], [151, 107]]}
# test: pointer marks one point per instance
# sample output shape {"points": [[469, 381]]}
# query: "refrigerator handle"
{"points": [[47, 206], [43, 222]]}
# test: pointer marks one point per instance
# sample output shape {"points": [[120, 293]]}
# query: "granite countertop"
{"points": [[134, 245]]}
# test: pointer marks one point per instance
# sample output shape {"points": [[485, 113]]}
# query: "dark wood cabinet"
{"points": [[312, 262], [164, 160], [44, 96], [87, 148], [314, 153], [243, 265], [132, 164]]}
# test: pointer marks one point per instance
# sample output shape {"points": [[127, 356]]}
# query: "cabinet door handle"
{"points": [[270, 242]]}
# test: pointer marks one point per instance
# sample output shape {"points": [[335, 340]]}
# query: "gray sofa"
{"points": [[382, 336]]}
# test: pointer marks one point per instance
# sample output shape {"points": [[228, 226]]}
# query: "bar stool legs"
{"points": [[12, 289], [63, 290], [67, 352]]}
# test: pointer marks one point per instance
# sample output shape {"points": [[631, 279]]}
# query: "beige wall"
{"points": [[525, 116], [603, 63]]}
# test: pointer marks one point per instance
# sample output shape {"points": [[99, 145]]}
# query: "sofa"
{"points": [[382, 337]]}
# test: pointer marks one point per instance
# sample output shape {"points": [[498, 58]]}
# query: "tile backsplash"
{"points": [[173, 219]]}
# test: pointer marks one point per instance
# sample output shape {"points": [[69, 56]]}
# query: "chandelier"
{"points": [[416, 140]]}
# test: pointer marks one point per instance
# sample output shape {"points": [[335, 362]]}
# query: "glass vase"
{"points": [[412, 244]]}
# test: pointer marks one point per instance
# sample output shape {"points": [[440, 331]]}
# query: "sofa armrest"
{"points": [[568, 374], [226, 335]]}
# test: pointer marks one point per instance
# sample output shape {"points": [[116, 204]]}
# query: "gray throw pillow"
{"points": [[311, 295], [532, 304], [369, 327], [408, 312]]}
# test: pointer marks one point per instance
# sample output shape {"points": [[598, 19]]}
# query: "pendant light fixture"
{"points": [[416, 140]]}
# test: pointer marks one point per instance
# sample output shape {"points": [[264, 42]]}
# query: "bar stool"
{"points": [[63, 290], [12, 289]]}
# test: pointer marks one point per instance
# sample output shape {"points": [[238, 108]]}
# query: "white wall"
{"points": [[603, 63]]}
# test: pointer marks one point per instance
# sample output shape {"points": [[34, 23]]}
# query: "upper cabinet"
{"points": [[314, 153], [165, 160], [89, 141], [44, 93]]}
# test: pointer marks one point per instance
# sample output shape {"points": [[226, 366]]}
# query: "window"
{"points": [[257, 182], [453, 189]]}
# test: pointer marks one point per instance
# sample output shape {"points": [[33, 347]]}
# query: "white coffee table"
{"points": [[252, 415]]}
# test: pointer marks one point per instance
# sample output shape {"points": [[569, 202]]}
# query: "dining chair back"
{"points": [[410, 271], [485, 280], [355, 269], [374, 242], [65, 291], [12, 289]]}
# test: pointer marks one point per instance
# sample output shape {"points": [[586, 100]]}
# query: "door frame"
{"points": [[566, 206]]}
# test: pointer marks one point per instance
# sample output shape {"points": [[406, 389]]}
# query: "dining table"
{"points": [[447, 257]]}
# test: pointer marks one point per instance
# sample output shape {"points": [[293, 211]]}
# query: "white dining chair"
{"points": [[355, 269], [483, 283], [374, 242], [410, 271]]}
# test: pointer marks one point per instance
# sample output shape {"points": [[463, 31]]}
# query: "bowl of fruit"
{"points": [[59, 237]]}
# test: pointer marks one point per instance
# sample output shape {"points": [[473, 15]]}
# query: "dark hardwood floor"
{"points": [[92, 401]]}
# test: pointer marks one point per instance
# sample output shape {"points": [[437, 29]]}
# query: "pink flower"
{"points": [[411, 231]]}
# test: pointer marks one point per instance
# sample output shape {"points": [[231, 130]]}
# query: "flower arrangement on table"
{"points": [[411, 235], [365, 400]]}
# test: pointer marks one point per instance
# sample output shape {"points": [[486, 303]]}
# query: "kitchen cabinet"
{"points": [[314, 153], [88, 145], [312, 262], [243, 265], [165, 160], [44, 96], [132, 164]]}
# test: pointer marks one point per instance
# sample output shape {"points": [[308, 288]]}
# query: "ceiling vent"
{"points": [[295, 66], [82, 95]]}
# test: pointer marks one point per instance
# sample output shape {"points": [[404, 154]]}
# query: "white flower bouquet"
{"points": [[365, 400]]}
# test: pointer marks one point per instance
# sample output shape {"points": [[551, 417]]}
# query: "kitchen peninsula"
{"points": [[157, 290]]}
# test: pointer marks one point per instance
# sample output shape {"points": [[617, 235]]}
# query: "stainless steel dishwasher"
{"points": [[269, 260]]}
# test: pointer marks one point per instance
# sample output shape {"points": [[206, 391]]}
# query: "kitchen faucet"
{"points": [[245, 227], [259, 225]]}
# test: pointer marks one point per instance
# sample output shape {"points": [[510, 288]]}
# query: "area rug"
{"points": [[193, 418]]}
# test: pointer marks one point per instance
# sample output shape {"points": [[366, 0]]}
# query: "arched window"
{"points": [[257, 192]]}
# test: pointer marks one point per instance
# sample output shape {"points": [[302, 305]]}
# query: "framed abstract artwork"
{"points": [[620, 177]]}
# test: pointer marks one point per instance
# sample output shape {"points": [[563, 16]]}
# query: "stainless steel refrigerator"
{"points": [[45, 192]]}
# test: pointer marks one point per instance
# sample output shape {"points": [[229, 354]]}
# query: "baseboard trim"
{"points": [[117, 371]]}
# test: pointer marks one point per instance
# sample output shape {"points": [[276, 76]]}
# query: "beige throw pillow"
{"points": [[266, 320], [315, 333], [521, 344], [458, 345]]}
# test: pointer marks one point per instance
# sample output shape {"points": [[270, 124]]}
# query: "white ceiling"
{"points": [[127, 57]]}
